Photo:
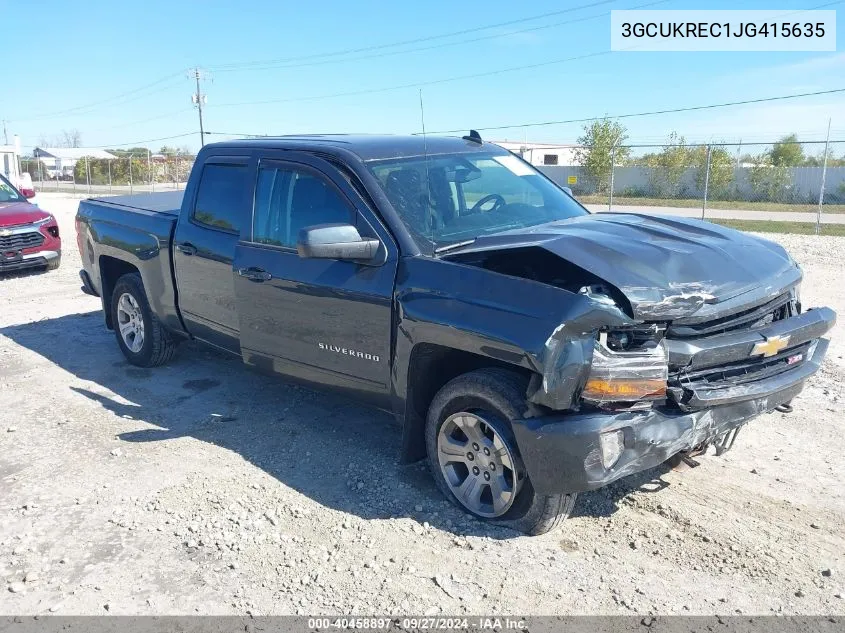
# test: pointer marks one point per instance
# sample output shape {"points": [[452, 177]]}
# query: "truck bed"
{"points": [[167, 202], [137, 230]]}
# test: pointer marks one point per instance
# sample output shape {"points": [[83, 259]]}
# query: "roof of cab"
{"points": [[368, 147]]}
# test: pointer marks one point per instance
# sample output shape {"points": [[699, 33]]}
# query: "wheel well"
{"points": [[111, 269], [432, 366]]}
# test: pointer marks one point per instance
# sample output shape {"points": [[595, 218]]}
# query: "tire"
{"points": [[156, 345], [494, 396]]}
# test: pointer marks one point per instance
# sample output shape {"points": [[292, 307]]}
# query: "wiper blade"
{"points": [[450, 247]]}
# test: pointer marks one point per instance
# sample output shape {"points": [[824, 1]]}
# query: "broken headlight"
{"points": [[795, 298], [629, 370]]}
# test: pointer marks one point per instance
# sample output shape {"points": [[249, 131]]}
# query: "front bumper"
{"points": [[562, 452], [38, 259]]}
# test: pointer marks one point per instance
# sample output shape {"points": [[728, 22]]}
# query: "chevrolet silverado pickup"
{"points": [[529, 349]]}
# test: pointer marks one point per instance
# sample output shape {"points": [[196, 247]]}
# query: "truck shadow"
{"points": [[334, 451]]}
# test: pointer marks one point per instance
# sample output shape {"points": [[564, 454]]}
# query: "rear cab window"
{"points": [[219, 196]]}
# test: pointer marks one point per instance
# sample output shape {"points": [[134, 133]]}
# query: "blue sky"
{"points": [[70, 65]]}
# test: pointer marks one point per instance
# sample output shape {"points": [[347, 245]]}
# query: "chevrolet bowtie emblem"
{"points": [[771, 346], [5, 233]]}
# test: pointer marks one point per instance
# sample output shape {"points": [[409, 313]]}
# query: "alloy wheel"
{"points": [[477, 464], [130, 322]]}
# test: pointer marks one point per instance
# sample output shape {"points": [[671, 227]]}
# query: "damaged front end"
{"points": [[645, 337], [626, 382], [626, 368], [655, 390]]}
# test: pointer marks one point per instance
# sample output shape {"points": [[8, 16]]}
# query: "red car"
{"points": [[29, 236]]}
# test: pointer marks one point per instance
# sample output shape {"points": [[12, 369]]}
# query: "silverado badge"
{"points": [[771, 346]]}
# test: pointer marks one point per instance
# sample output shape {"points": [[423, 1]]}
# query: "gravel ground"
{"points": [[203, 488]]}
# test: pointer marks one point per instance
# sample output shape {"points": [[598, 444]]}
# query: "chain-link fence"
{"points": [[799, 182], [129, 173]]}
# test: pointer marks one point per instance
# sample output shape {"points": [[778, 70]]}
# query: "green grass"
{"points": [[776, 226], [687, 203]]}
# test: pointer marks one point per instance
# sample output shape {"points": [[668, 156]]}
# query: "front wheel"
{"points": [[474, 457], [142, 338]]}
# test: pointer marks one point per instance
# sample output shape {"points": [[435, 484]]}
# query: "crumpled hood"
{"points": [[15, 213], [667, 267]]}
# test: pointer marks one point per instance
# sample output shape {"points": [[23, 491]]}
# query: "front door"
{"points": [[320, 320]]}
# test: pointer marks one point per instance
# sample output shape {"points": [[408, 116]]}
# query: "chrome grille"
{"points": [[782, 307], [19, 241], [717, 356], [739, 372]]}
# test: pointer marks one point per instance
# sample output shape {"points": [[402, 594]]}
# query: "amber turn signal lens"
{"points": [[612, 390]]}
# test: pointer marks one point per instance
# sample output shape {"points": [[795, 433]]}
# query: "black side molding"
{"points": [[87, 286]]}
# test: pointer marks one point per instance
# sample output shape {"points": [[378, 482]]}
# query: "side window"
{"points": [[219, 196], [288, 200]]}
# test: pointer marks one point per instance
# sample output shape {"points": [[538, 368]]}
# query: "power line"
{"points": [[428, 38], [271, 65], [96, 104], [571, 145], [419, 84], [711, 106], [147, 120], [450, 79], [696, 144], [296, 62], [152, 140]]}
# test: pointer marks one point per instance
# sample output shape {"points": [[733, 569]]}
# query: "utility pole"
{"points": [[199, 99], [5, 134]]}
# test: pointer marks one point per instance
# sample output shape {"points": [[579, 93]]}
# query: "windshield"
{"points": [[470, 195], [8, 193]]}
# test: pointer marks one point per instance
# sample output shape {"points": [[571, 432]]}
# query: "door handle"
{"points": [[187, 248], [255, 274]]}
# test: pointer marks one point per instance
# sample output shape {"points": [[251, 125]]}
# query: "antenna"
{"points": [[427, 197], [473, 137]]}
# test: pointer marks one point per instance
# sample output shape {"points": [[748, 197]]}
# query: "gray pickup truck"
{"points": [[529, 349]]}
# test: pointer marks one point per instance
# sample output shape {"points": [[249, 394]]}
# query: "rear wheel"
{"points": [[140, 335], [474, 457]]}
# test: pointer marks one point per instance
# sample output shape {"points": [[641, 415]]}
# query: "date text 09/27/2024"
{"points": [[419, 623]]}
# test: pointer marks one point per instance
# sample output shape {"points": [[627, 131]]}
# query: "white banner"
{"points": [[770, 30]]}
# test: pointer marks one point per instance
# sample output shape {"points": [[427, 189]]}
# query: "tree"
{"points": [[66, 138], [104, 170], [601, 147], [669, 166], [167, 150], [770, 182], [787, 152], [818, 161], [721, 170], [71, 138]]}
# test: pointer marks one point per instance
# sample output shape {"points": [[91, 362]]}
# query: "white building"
{"points": [[10, 161], [541, 153], [59, 161]]}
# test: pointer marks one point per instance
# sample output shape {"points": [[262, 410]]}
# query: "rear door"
{"points": [[204, 248], [324, 321]]}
